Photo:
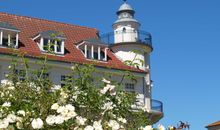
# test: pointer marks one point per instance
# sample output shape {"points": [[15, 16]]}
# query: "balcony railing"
{"points": [[156, 105], [127, 36]]}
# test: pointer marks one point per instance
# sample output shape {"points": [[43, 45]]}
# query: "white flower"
{"points": [[110, 88], [33, 85], [108, 106], [21, 112], [104, 90], [37, 123], [72, 67], [55, 106], [89, 127], [123, 120], [97, 125], [19, 125], [19, 119], [9, 67], [6, 82], [70, 107], [148, 127], [67, 111], [70, 115], [161, 127], [105, 81], [63, 94], [11, 118], [60, 109], [4, 124], [114, 125], [6, 104], [59, 119], [50, 119], [56, 87], [80, 120], [74, 97]]}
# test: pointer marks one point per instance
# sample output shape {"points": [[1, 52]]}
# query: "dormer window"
{"points": [[93, 49], [51, 42], [8, 35]]}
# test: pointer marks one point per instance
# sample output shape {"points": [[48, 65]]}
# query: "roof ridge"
{"points": [[53, 21]]}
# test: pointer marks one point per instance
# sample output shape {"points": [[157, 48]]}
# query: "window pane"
{"points": [[5, 41], [45, 44], [129, 87], [59, 46], [96, 55]]}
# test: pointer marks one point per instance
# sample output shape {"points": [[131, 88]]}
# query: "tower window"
{"points": [[124, 29]]}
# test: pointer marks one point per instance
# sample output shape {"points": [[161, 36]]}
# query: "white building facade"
{"points": [[82, 45]]}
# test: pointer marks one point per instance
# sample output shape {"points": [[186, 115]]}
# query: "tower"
{"points": [[132, 44], [128, 38]]}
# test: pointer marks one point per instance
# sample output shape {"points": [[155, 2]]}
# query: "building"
{"points": [[83, 45], [214, 126]]}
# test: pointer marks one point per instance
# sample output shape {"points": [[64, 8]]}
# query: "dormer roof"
{"points": [[52, 34], [8, 26]]}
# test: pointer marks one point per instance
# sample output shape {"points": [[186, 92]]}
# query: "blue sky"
{"points": [[186, 39]]}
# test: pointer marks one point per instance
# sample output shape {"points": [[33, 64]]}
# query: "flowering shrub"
{"points": [[29, 100]]}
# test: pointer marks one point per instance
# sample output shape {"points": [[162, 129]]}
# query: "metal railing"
{"points": [[126, 36], [156, 105]]}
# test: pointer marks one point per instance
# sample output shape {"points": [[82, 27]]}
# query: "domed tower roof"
{"points": [[125, 8], [126, 16]]}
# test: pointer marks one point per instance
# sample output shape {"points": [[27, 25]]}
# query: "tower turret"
{"points": [[129, 39], [126, 27]]}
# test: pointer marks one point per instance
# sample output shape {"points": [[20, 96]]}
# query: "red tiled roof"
{"points": [[30, 27], [214, 124]]}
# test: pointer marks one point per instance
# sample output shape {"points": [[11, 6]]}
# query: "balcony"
{"points": [[156, 105], [156, 112], [139, 37]]}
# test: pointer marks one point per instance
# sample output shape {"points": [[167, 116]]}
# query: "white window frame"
{"points": [[9, 38], [55, 46]]}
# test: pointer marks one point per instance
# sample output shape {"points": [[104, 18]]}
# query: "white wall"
{"points": [[58, 69], [129, 35], [124, 53]]}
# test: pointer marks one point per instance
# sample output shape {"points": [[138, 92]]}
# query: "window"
{"points": [[45, 44], [8, 39], [129, 87], [53, 46], [21, 74], [96, 55], [51, 42], [8, 35], [65, 79]]}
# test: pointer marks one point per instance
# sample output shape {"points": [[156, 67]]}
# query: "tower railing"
{"points": [[142, 37], [156, 105]]}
